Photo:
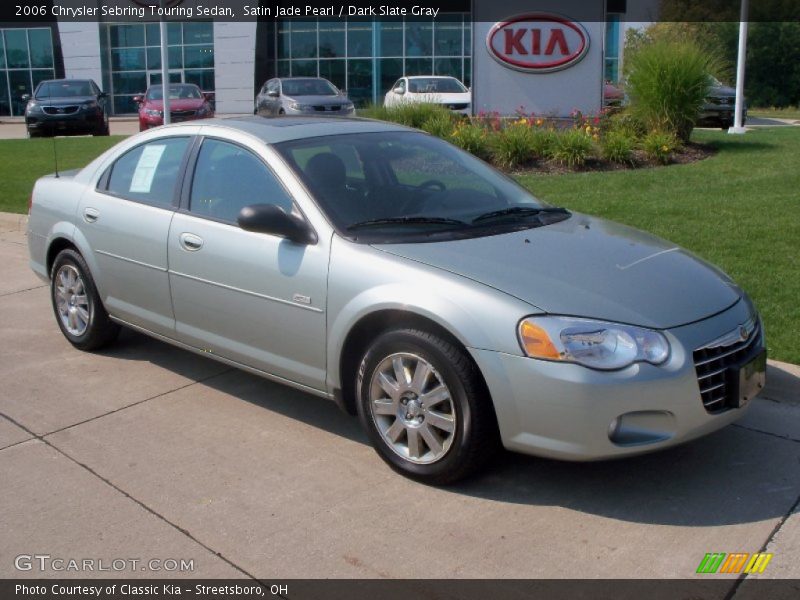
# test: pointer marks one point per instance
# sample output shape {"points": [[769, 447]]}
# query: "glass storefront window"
{"points": [[359, 39], [26, 58], [133, 57], [41, 46], [366, 56], [17, 55], [331, 39]]}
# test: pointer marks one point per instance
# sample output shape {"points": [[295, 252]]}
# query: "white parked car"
{"points": [[448, 91]]}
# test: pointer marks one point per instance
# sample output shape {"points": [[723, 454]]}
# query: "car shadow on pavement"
{"points": [[735, 475]]}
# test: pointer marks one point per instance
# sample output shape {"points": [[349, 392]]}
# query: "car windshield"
{"points": [[308, 87], [64, 89], [176, 92], [398, 186], [435, 85]]}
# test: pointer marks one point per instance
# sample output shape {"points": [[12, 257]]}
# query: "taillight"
{"points": [[30, 203]]}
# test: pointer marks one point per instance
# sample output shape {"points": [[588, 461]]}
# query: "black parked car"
{"points": [[60, 106], [719, 107]]}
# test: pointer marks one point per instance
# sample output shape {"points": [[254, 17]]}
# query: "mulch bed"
{"points": [[689, 153]]}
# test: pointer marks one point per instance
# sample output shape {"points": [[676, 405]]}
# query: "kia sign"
{"points": [[537, 42]]}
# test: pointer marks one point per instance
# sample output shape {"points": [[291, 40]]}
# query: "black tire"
{"points": [[104, 129], [281, 112], [100, 330], [475, 437]]}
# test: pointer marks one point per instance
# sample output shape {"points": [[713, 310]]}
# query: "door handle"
{"points": [[90, 215], [191, 242]]}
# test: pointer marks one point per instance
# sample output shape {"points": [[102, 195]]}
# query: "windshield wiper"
{"points": [[519, 210], [406, 221]]}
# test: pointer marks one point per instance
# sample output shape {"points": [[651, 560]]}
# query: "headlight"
{"points": [[301, 107], [33, 106], [349, 107], [151, 112], [593, 344], [89, 104]]}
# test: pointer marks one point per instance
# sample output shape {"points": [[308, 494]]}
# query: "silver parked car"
{"points": [[302, 96], [405, 279]]}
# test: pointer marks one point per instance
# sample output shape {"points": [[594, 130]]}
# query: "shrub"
{"points": [[410, 114], [668, 83], [626, 123], [543, 143], [472, 138], [617, 147], [572, 148], [660, 146], [440, 125], [513, 145]]}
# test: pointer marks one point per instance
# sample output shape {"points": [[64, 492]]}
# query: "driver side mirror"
{"points": [[273, 94], [138, 99], [272, 219], [25, 97], [399, 90]]}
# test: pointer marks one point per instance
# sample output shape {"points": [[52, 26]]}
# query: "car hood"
{"points": [[64, 101], [177, 104], [334, 99], [587, 267], [721, 91]]}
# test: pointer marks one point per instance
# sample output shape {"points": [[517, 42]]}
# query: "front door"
{"points": [[253, 298]]}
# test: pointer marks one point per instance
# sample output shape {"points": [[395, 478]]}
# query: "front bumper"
{"points": [[568, 412], [88, 120]]}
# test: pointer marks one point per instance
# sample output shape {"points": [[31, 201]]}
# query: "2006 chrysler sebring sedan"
{"points": [[410, 282]]}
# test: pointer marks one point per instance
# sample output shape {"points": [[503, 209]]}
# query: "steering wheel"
{"points": [[433, 184]]}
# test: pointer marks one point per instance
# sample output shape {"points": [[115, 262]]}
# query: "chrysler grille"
{"points": [[711, 364]]}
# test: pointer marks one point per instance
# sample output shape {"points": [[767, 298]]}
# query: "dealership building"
{"points": [[363, 56]]}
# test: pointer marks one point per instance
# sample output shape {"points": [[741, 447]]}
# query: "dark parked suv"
{"points": [[719, 106], [60, 106]]}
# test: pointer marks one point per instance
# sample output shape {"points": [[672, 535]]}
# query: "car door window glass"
{"points": [[149, 173], [272, 86], [227, 178]]}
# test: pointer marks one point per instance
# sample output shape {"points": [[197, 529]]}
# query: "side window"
{"points": [[149, 173], [273, 86], [400, 85], [227, 178]]}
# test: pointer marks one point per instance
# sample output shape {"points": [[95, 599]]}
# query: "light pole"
{"points": [[164, 65], [738, 126]]}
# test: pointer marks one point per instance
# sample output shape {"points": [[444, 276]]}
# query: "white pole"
{"points": [[738, 126], [164, 68]]}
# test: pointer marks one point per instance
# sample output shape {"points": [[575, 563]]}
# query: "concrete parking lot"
{"points": [[147, 451]]}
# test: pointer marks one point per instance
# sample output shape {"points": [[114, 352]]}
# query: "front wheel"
{"points": [[79, 312], [425, 407]]}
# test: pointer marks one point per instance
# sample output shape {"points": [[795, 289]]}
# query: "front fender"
{"points": [[364, 281]]}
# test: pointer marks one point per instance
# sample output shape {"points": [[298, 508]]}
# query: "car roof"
{"points": [[431, 77], [273, 130]]}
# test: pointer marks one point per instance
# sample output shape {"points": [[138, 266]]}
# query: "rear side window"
{"points": [[227, 178], [149, 173]]}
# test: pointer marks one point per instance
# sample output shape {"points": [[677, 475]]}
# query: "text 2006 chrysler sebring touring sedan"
{"points": [[405, 279]]}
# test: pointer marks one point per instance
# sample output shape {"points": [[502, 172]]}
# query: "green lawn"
{"points": [[22, 162], [776, 113], [739, 209]]}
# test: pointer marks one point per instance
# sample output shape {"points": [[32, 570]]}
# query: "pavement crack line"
{"points": [[138, 402], [741, 579], [775, 435], [38, 287], [152, 511]]}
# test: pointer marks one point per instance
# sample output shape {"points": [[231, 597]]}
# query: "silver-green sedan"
{"points": [[406, 280]]}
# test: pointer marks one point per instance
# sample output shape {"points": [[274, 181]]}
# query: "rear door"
{"points": [[125, 221], [253, 298]]}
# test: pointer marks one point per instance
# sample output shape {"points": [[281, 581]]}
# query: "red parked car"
{"points": [[186, 103]]}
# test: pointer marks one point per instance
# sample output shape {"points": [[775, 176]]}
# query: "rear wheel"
{"points": [[79, 312], [425, 407]]}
